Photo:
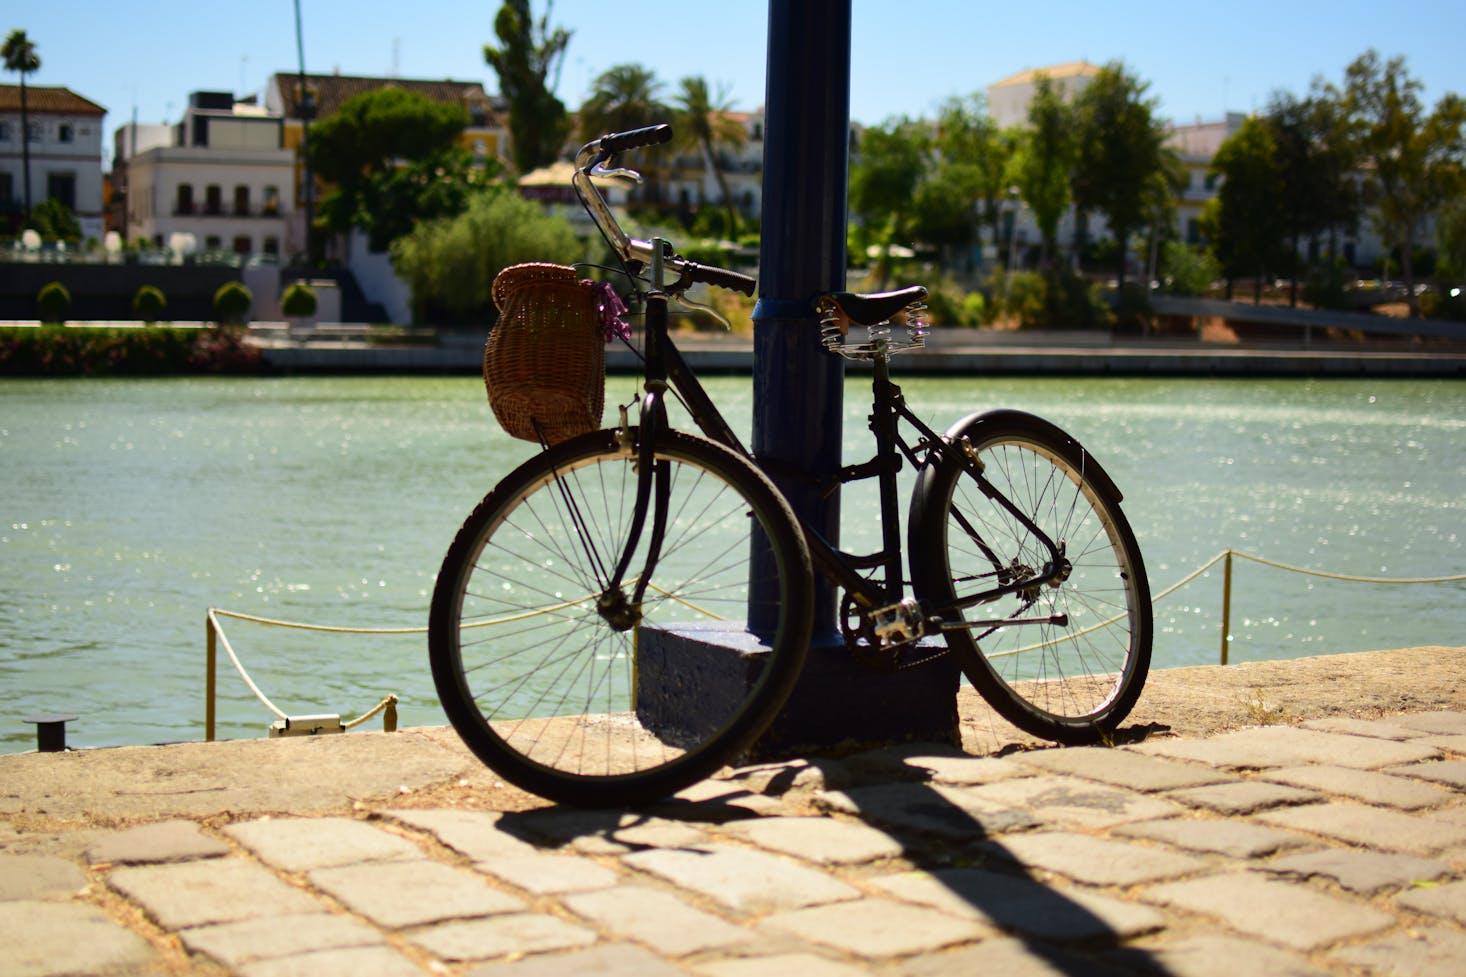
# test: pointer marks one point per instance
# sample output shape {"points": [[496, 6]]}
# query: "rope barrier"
{"points": [[389, 703]]}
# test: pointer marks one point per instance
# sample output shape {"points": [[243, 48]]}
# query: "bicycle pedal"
{"points": [[898, 624]]}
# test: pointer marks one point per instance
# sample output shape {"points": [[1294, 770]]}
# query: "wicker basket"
{"points": [[545, 359]]}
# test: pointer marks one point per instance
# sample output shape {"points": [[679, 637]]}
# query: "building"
{"points": [[65, 143], [221, 180], [1008, 99], [486, 136]]}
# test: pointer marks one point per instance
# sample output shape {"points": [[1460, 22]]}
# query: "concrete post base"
{"points": [[688, 677]]}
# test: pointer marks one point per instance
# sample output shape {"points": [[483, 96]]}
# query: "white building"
{"points": [[1008, 99], [65, 143], [225, 180]]}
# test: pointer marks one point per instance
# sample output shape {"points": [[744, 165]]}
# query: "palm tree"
{"points": [[20, 55], [706, 124], [626, 97]]}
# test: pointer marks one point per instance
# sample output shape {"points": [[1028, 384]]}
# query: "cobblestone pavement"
{"points": [[1335, 847]]}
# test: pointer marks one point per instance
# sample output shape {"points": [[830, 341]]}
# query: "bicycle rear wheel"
{"points": [[555, 681], [1063, 661]]}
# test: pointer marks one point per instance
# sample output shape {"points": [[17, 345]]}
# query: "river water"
{"points": [[128, 508]]}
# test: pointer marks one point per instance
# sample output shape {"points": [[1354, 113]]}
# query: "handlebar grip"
{"points": [[721, 277], [616, 142]]}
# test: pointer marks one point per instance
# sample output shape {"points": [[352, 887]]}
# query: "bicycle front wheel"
{"points": [[1065, 660], [587, 693]]}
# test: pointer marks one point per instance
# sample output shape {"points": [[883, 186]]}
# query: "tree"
{"points": [[705, 123], [450, 262], [883, 183], [1315, 163], [1119, 151], [393, 159], [528, 61], [627, 96], [1043, 161], [1244, 221], [972, 162], [1413, 161], [20, 56]]}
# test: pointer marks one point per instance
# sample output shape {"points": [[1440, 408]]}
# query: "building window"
{"points": [[4, 131], [213, 199], [65, 133], [7, 188], [272, 246], [185, 199], [33, 132], [62, 187], [1193, 231], [212, 243], [241, 200], [272, 200], [243, 245], [1211, 181]]}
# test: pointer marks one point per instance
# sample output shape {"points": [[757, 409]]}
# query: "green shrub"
{"points": [[104, 351], [1132, 309], [231, 303], [1188, 270], [1326, 285], [148, 304], [53, 301], [299, 301]]}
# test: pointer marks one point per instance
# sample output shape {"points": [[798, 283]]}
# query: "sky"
{"points": [[1200, 60]]}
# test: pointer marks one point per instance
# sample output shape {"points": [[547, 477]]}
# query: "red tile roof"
{"points": [[43, 98], [332, 90]]}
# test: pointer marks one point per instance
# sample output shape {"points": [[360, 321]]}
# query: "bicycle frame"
{"points": [[894, 620]]}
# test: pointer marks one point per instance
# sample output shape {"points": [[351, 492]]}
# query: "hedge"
{"points": [[89, 351]]}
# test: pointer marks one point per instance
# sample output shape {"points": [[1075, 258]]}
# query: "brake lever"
{"points": [[717, 316], [620, 172]]}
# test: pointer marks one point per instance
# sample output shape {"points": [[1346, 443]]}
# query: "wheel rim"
{"points": [[546, 672], [1078, 666]]}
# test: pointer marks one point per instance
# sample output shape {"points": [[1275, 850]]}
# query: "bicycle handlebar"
{"points": [[590, 162]]}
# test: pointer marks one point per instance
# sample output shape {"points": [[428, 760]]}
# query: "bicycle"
{"points": [[563, 615]]}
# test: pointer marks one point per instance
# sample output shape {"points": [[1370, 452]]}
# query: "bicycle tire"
{"points": [[1073, 679], [545, 690]]}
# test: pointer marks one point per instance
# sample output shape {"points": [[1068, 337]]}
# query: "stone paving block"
{"points": [[1452, 773], [1371, 827], [1434, 722], [1069, 800], [219, 890], [1282, 912], [400, 894], [1450, 744], [1235, 839], [909, 810], [1124, 768], [1382, 728], [162, 841], [1001, 958], [499, 936], [1418, 952], [875, 927], [602, 960], [658, 919], [1446, 901], [549, 873], [378, 961], [475, 834], [1213, 956], [822, 840], [234, 944], [1024, 905], [39, 877], [744, 881], [66, 938], [1289, 746], [604, 832], [1364, 872], [1243, 797], [1369, 786], [964, 770], [1097, 861], [302, 844], [780, 965]]}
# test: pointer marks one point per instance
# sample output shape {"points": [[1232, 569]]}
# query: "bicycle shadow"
{"points": [[958, 865]]}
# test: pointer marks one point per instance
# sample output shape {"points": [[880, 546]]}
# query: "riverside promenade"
{"points": [[1331, 839]]}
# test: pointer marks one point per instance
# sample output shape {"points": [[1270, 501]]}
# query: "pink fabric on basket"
{"points": [[613, 311]]}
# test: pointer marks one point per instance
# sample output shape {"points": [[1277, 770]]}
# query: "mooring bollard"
{"points": [[50, 731]]}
